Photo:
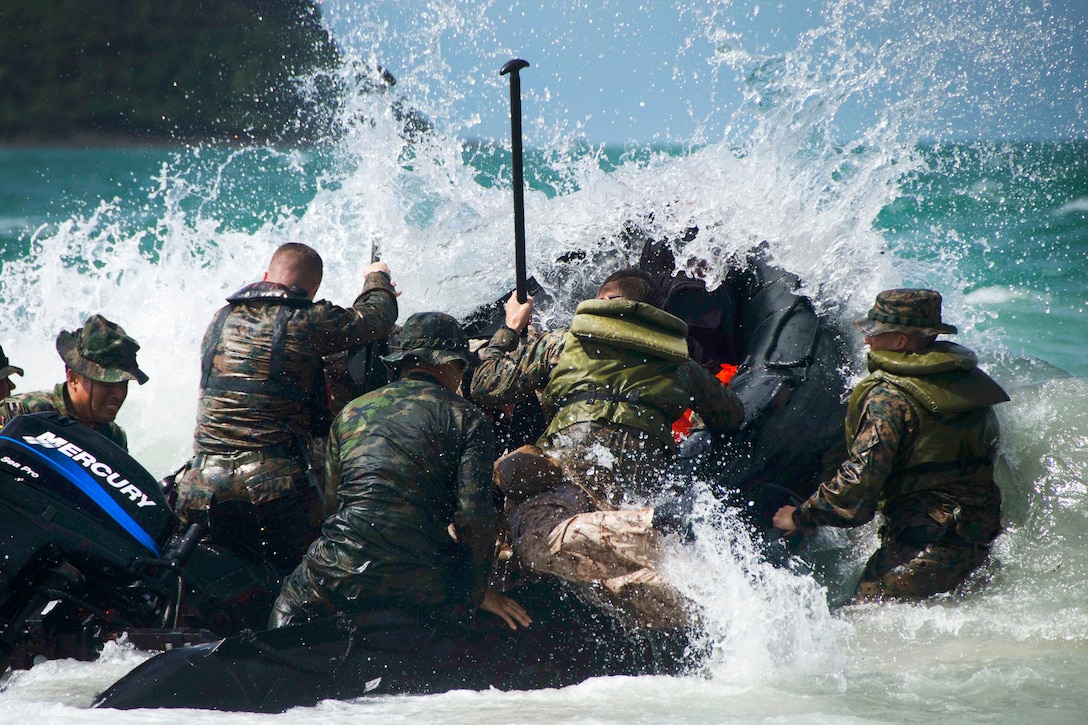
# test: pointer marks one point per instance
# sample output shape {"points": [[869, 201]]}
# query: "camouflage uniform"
{"points": [[614, 383], [261, 390], [406, 461], [100, 351], [922, 438], [618, 378]]}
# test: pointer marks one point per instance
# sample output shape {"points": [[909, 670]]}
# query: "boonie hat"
{"points": [[912, 311], [435, 338], [101, 351], [6, 368]]}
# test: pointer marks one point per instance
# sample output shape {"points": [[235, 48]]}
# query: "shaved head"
{"points": [[296, 265]]}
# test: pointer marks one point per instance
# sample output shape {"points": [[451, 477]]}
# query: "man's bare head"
{"points": [[297, 265], [630, 284]]}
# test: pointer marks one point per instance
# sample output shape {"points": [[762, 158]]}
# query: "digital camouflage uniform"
{"points": [[261, 391], [101, 351], [612, 384], [922, 438], [407, 461]]}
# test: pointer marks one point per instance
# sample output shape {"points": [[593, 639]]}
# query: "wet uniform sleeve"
{"points": [[371, 317], [475, 517], [716, 404], [332, 469], [887, 428], [509, 369]]}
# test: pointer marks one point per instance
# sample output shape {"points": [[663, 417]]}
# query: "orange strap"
{"points": [[683, 426]]}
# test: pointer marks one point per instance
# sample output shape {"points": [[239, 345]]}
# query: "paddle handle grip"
{"points": [[513, 68]]}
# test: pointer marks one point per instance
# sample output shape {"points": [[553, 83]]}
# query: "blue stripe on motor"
{"points": [[83, 481]]}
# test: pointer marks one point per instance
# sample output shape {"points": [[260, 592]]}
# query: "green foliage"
{"points": [[160, 68]]}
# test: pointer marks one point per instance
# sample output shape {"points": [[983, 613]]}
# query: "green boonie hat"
{"points": [[6, 368], [912, 311], [433, 337], [101, 351]]}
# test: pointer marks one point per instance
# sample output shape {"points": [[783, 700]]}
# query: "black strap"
{"points": [[595, 394], [276, 386]]}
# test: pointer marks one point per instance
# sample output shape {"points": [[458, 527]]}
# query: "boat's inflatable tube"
{"points": [[383, 653], [791, 380], [792, 384]]}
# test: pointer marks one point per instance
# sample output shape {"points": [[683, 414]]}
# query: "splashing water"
{"points": [[832, 140]]}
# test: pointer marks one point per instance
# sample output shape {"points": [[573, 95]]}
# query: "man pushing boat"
{"points": [[922, 437], [613, 384], [415, 526]]}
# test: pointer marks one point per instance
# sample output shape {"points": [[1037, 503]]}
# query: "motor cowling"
{"points": [[74, 482], [75, 512]]}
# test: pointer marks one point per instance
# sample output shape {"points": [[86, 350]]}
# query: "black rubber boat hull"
{"points": [[387, 653]]}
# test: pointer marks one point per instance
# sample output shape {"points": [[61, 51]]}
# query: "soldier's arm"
{"points": [[371, 317], [511, 366], [332, 470], [474, 516], [716, 404], [26, 403], [850, 497]]}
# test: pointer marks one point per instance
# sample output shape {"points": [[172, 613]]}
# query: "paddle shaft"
{"points": [[513, 67]]}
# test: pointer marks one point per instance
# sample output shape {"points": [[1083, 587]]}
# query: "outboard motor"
{"points": [[77, 515], [87, 546]]}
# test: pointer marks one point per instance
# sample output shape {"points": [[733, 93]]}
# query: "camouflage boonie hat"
{"points": [[6, 368], [433, 337], [912, 311], [101, 351]]}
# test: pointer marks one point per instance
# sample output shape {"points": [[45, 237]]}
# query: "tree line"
{"points": [[162, 69]]}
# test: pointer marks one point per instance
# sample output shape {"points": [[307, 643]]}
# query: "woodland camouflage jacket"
{"points": [[405, 462]]}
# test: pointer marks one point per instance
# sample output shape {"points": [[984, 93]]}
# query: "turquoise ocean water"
{"points": [[155, 238]]}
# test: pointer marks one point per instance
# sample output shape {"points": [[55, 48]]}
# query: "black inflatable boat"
{"points": [[90, 551], [382, 653]]}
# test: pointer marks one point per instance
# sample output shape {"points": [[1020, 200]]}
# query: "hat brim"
{"points": [[69, 352], [428, 356], [869, 327], [9, 370]]}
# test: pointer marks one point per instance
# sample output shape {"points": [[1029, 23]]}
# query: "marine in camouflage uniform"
{"points": [[613, 384], [100, 360], [415, 525], [922, 438], [262, 399]]}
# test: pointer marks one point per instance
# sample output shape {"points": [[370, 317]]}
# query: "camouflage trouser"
{"points": [[559, 533], [250, 502], [913, 571], [300, 599], [565, 532]]}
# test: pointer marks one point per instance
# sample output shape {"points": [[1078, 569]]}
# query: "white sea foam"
{"points": [[1077, 206]]}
